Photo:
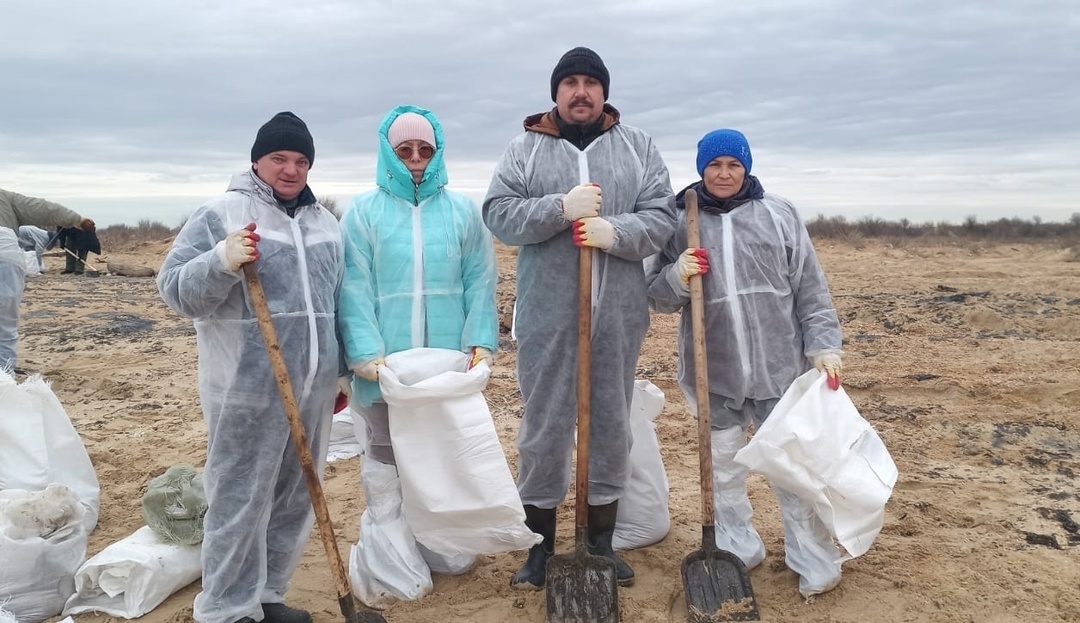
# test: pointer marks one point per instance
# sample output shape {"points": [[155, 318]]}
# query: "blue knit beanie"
{"points": [[723, 143]]}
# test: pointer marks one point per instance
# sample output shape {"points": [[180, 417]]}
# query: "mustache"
{"points": [[580, 100]]}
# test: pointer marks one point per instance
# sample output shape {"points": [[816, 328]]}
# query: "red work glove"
{"points": [[239, 247], [830, 364], [693, 261]]}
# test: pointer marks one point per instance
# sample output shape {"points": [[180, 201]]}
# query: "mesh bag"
{"points": [[174, 504]]}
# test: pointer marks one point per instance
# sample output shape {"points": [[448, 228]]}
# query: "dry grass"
{"points": [[894, 232], [901, 234], [115, 236]]}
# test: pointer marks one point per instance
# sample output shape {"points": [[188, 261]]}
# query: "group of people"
{"points": [[411, 264], [17, 211]]}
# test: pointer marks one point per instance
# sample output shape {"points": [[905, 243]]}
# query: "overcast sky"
{"points": [[134, 109]]}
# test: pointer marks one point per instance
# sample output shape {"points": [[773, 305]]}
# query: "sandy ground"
{"points": [[963, 357]]}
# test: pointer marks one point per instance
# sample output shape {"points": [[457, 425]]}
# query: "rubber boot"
{"points": [[601, 530], [534, 572], [735, 531], [280, 613]]}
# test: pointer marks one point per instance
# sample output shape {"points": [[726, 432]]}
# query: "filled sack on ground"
{"points": [[39, 446], [643, 517], [134, 575], [42, 543]]}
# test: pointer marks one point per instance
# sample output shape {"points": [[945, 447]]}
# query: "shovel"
{"points": [[581, 587], [314, 486], [715, 583]]}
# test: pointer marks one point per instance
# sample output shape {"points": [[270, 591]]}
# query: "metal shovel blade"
{"points": [[716, 587], [581, 588], [366, 616]]}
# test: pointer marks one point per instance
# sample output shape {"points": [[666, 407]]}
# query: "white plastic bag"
{"points": [[643, 517], [39, 446], [37, 567], [132, 576], [459, 495], [815, 445]]}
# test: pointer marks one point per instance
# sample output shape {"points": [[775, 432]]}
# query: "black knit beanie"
{"points": [[285, 131], [580, 61]]}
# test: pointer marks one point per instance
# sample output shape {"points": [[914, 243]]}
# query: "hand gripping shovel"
{"points": [[714, 581], [581, 587], [292, 411]]}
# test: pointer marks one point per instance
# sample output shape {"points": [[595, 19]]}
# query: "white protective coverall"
{"points": [[12, 281], [523, 207], [767, 310], [259, 513]]}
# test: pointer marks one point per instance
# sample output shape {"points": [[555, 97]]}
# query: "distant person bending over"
{"points": [[77, 243], [259, 515], [419, 272], [17, 210], [768, 319], [36, 239], [577, 177]]}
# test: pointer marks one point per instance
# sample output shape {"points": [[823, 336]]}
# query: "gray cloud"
{"points": [[851, 108]]}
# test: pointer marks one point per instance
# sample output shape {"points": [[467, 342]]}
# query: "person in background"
{"points": [[259, 513], [77, 243], [419, 272], [35, 239], [15, 211], [578, 177], [768, 319]]}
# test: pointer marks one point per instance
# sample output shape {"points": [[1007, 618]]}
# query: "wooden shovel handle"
{"points": [[701, 366], [299, 436], [584, 367]]}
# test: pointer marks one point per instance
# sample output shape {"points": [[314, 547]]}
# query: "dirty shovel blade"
{"points": [[581, 588], [717, 588], [366, 616]]}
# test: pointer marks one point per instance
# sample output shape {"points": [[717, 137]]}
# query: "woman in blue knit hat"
{"points": [[768, 319]]}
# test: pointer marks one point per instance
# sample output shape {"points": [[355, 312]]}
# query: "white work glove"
{"points": [[369, 370], [830, 364], [594, 232], [479, 353], [238, 248], [582, 201], [344, 385], [693, 261]]}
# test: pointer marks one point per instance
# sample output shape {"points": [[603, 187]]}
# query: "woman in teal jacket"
{"points": [[419, 266]]}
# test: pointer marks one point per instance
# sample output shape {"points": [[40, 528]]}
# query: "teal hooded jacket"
{"points": [[419, 265]]}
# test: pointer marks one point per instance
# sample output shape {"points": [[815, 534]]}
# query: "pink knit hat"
{"points": [[410, 126]]}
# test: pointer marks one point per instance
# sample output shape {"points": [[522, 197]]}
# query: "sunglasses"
{"points": [[405, 152]]}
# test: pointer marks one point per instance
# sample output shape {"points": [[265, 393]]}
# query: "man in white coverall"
{"points": [[259, 512], [578, 176], [17, 210]]}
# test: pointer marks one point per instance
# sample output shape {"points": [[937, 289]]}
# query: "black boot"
{"points": [[533, 573], [280, 613], [601, 530]]}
